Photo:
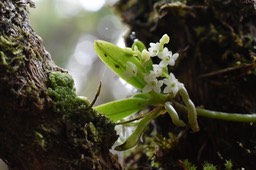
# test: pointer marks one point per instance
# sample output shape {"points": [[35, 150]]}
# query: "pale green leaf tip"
{"points": [[98, 44]]}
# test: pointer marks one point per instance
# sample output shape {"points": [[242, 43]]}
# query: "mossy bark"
{"points": [[43, 124], [217, 45]]}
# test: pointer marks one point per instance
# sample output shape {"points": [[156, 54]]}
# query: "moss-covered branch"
{"points": [[43, 123]]}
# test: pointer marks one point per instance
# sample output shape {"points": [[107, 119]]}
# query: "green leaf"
{"points": [[153, 98], [120, 109], [134, 138], [117, 58]]}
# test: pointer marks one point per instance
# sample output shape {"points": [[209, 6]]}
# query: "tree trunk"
{"points": [[43, 123], [217, 45]]}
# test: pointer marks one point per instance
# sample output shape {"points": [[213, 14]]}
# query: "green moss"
{"points": [[93, 132], [62, 92], [166, 143], [39, 139], [228, 165], [59, 79], [208, 166], [11, 56], [188, 165]]}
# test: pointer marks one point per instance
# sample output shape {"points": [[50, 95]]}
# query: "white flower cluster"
{"points": [[167, 58]]}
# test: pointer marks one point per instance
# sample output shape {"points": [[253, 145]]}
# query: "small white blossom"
{"points": [[167, 57], [172, 84], [165, 39], [152, 84], [131, 70], [157, 70], [154, 49]]}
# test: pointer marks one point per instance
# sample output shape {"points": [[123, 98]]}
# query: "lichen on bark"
{"points": [[43, 123]]}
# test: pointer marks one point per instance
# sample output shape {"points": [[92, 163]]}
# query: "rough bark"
{"points": [[217, 46], [43, 123]]}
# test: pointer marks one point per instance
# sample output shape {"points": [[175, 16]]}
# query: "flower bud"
{"points": [[165, 39]]}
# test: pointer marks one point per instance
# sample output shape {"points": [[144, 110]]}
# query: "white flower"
{"points": [[172, 84], [154, 49], [157, 70], [152, 84], [167, 57], [131, 70]]}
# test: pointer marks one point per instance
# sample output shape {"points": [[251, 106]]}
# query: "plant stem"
{"points": [[236, 117]]}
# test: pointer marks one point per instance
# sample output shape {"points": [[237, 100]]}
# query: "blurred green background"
{"points": [[68, 29]]}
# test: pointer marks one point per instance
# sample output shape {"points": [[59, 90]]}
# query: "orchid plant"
{"points": [[157, 85]]}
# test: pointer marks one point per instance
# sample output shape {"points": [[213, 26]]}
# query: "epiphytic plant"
{"points": [[157, 85]]}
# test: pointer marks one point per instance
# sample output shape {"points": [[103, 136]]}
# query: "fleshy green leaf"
{"points": [[134, 138], [153, 98], [117, 58], [120, 109]]}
